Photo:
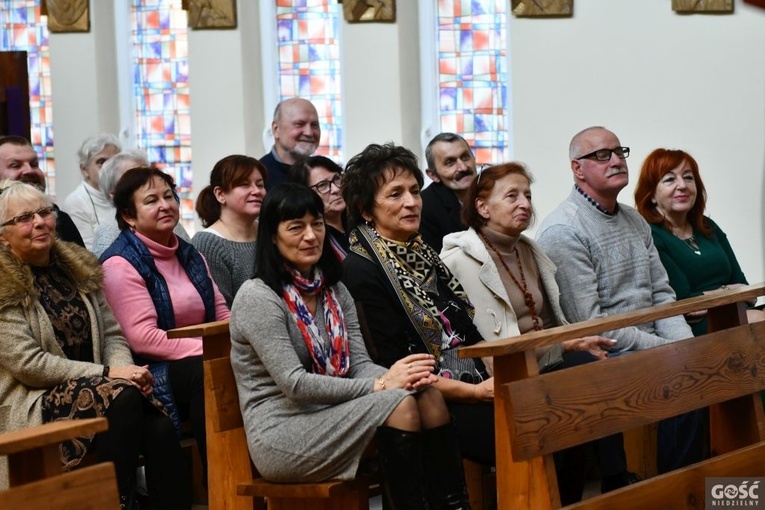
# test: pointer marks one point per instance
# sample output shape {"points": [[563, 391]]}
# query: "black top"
{"points": [[392, 332], [66, 230], [277, 171], [440, 214]]}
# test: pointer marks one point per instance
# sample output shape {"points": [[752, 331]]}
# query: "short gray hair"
{"points": [[110, 172], [95, 144], [574, 147]]}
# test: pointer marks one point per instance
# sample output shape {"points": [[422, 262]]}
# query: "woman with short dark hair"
{"points": [[155, 282], [411, 301], [311, 398]]}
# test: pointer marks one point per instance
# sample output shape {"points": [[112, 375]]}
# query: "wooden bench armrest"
{"points": [[206, 329], [617, 321], [50, 433]]}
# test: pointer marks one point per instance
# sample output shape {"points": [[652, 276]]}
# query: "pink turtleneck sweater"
{"points": [[126, 292]]}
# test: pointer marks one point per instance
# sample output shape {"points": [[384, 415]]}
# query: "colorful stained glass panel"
{"points": [[472, 74], [22, 28], [161, 92], [309, 63]]}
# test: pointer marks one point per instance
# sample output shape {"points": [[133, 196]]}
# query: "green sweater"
{"points": [[692, 274]]}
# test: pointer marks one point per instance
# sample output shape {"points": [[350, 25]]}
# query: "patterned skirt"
{"points": [[85, 397]]}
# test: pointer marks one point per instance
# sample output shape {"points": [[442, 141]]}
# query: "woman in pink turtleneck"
{"points": [[154, 282]]}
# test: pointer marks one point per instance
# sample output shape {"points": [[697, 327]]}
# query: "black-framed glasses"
{"points": [[605, 154], [326, 185], [27, 217]]}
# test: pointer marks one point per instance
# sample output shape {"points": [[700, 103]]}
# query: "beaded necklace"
{"points": [[527, 297]]}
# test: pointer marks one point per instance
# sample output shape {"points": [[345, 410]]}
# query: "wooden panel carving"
{"points": [[691, 6], [67, 15], [541, 8]]}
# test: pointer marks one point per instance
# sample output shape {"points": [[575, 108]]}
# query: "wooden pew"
{"points": [[536, 415], [36, 477], [232, 481]]}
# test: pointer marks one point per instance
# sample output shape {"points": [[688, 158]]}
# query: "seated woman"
{"points": [[108, 230], [411, 301], [87, 206], [229, 207], [302, 371], [511, 283], [63, 355], [154, 282], [693, 249], [325, 177]]}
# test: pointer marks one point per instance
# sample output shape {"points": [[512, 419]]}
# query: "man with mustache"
{"points": [[607, 263], [451, 166], [296, 133], [19, 162]]}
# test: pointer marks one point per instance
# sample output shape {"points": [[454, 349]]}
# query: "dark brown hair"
{"points": [[227, 174], [130, 182]]}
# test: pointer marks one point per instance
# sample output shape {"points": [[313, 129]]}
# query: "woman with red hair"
{"points": [[694, 250]]}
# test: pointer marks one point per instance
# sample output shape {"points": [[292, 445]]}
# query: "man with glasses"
{"points": [[296, 133], [452, 168], [607, 264], [19, 162]]}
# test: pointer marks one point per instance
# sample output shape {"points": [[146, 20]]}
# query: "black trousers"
{"points": [[187, 381], [136, 428]]}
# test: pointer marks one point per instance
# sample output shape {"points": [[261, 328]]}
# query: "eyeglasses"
{"points": [[605, 154], [324, 186], [27, 217]]}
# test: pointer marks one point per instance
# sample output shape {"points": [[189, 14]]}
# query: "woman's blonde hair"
{"points": [[13, 192]]}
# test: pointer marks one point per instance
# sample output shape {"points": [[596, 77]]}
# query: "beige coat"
{"points": [[467, 258], [31, 360]]}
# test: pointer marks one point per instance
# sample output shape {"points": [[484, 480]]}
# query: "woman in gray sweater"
{"points": [[311, 398]]}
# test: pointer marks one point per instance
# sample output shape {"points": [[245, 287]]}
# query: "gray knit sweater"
{"points": [[607, 265], [231, 262]]}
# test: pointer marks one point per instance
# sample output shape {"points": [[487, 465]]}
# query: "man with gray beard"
{"points": [[296, 133], [607, 263]]}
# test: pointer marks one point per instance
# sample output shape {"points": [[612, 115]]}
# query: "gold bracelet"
{"points": [[381, 382]]}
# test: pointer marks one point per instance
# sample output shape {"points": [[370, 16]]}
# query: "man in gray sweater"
{"points": [[607, 263]]}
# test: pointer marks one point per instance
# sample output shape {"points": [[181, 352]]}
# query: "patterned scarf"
{"points": [[414, 270], [331, 358]]}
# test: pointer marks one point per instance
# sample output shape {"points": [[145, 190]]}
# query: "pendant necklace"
{"points": [[522, 286]]}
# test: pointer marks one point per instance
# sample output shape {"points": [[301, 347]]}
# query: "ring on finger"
{"points": [[409, 366]]}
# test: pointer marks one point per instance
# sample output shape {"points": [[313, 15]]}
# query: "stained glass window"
{"points": [[161, 91], [309, 63], [22, 28], [472, 74]]}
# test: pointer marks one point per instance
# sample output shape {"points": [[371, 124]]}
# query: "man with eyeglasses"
{"points": [[607, 263], [19, 162], [452, 167], [296, 132]]}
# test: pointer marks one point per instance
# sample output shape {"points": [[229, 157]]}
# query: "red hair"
{"points": [[657, 165]]}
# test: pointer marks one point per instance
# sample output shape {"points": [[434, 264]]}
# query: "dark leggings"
{"points": [[136, 426], [187, 381]]}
